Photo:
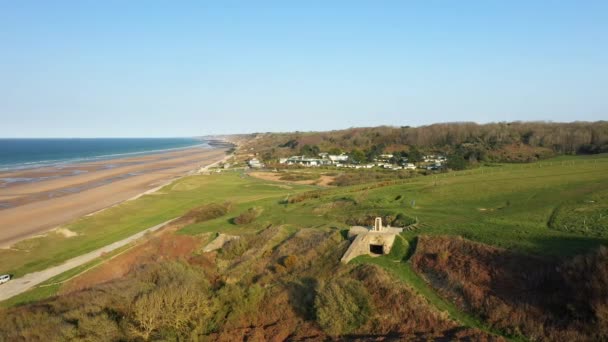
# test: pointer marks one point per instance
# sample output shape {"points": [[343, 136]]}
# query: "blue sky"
{"points": [[179, 68]]}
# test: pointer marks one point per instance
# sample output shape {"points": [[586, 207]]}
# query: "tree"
{"points": [[357, 156], [374, 152], [335, 151], [291, 144], [147, 314], [456, 161], [310, 150], [398, 157], [414, 156]]}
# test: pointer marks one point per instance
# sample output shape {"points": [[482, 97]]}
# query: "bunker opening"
{"points": [[376, 249]]}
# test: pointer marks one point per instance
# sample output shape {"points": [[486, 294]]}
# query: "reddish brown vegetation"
{"points": [[402, 314], [264, 292], [247, 217], [520, 294], [166, 246]]}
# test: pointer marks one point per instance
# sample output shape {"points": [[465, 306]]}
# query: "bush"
{"points": [[304, 196], [539, 298], [403, 220], [234, 248], [207, 212], [247, 217], [290, 261], [369, 176], [298, 176], [342, 306]]}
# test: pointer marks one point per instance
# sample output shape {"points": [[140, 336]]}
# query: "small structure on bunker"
{"points": [[374, 241]]}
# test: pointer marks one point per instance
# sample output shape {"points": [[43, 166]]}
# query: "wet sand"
{"points": [[35, 201]]}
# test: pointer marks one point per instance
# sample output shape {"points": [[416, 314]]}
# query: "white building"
{"points": [[338, 158], [304, 161], [255, 163]]}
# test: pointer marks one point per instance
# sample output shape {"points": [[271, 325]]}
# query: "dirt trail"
{"points": [[20, 285]]}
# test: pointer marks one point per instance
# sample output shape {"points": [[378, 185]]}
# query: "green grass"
{"points": [[509, 206], [588, 216], [506, 205]]}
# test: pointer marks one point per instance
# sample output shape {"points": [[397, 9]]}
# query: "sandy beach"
{"points": [[37, 200]]}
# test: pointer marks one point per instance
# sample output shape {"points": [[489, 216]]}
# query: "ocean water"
{"points": [[32, 153]]}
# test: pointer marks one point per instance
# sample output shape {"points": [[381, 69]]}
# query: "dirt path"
{"points": [[20, 285]]}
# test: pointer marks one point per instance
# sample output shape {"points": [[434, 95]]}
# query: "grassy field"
{"points": [[509, 205], [131, 217]]}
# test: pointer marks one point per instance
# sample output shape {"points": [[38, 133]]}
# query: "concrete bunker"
{"points": [[374, 241], [376, 249]]}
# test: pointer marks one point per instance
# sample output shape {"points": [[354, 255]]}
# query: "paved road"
{"points": [[20, 285]]}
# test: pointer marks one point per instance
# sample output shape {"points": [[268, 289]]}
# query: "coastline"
{"points": [[74, 159], [169, 182], [37, 208]]}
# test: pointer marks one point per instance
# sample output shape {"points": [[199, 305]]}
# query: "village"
{"points": [[384, 161]]}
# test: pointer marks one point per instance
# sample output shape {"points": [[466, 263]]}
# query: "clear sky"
{"points": [[179, 68]]}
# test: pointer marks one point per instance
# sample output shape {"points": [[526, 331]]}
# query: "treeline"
{"points": [[513, 142]]}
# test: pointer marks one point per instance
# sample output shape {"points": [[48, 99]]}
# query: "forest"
{"points": [[493, 142]]}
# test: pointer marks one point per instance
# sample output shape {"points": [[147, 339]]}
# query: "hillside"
{"points": [[502, 142], [500, 252]]}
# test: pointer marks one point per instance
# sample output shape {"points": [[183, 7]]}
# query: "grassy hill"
{"points": [[283, 278]]}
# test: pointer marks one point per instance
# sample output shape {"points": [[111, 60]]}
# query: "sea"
{"points": [[17, 154]]}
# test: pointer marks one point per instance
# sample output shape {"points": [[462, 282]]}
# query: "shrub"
{"points": [[298, 176], [290, 261], [342, 305], [176, 300], [369, 176], [234, 248], [247, 217], [208, 212], [304, 196], [403, 220], [541, 299]]}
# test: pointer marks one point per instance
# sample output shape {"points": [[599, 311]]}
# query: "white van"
{"points": [[4, 278]]}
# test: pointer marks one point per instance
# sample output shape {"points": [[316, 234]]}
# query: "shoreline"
{"points": [[37, 212], [202, 142]]}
